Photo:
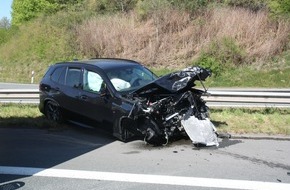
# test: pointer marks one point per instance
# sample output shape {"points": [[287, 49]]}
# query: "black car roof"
{"points": [[107, 63]]}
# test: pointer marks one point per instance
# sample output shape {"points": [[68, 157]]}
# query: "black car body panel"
{"points": [[124, 97]]}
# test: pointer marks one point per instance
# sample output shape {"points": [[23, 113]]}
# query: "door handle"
{"points": [[83, 97]]}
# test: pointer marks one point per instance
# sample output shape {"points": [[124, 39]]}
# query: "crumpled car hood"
{"points": [[170, 107], [174, 82]]}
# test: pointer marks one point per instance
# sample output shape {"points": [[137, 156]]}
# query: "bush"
{"points": [[25, 10], [221, 55], [254, 5], [146, 8], [109, 6], [280, 7], [189, 5], [7, 34], [211, 63]]}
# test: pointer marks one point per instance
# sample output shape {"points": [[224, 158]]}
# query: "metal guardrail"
{"points": [[216, 97], [25, 96], [249, 98]]}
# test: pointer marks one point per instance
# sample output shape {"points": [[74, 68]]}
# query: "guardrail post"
{"points": [[32, 77]]}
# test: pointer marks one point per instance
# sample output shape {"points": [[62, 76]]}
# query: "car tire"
{"points": [[53, 112]]}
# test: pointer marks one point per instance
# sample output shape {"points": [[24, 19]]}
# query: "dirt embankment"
{"points": [[174, 38]]}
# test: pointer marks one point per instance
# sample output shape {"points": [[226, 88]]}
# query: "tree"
{"points": [[63, 4], [6, 30], [5, 23], [25, 10]]}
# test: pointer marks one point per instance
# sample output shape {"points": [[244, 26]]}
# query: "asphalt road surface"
{"points": [[77, 158]]}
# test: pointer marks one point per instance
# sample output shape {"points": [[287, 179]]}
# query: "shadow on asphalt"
{"points": [[48, 146], [228, 142], [44, 147]]}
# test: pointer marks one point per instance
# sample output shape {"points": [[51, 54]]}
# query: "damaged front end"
{"points": [[170, 108]]}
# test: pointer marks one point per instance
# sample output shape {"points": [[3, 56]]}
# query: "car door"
{"points": [[95, 104], [70, 91]]}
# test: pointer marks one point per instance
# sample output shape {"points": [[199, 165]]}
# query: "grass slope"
{"points": [[244, 48]]}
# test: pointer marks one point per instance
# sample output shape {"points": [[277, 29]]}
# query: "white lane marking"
{"points": [[145, 178]]}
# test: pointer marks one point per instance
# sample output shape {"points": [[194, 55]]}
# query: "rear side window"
{"points": [[61, 79], [73, 77], [56, 74]]}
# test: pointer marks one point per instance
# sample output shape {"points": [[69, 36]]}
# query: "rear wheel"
{"points": [[53, 112]]}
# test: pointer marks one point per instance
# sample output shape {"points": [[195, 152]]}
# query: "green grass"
{"points": [[162, 71], [22, 115], [246, 76], [275, 74], [270, 121], [38, 44], [50, 39], [249, 77], [239, 121]]}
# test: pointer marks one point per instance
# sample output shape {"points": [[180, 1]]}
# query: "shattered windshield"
{"points": [[127, 79]]}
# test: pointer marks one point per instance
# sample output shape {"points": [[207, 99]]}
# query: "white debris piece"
{"points": [[200, 131]]}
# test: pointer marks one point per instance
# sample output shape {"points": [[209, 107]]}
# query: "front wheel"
{"points": [[53, 112]]}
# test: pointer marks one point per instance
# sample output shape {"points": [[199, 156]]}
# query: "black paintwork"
{"points": [[134, 110], [88, 108]]}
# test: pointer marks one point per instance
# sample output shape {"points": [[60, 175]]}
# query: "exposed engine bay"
{"points": [[169, 108]]}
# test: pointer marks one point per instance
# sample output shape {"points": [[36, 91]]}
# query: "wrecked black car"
{"points": [[125, 97]]}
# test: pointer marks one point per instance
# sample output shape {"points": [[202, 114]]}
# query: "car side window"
{"points": [[61, 79], [92, 81], [56, 74], [73, 77]]}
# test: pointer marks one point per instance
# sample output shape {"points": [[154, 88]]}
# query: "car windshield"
{"points": [[129, 78]]}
